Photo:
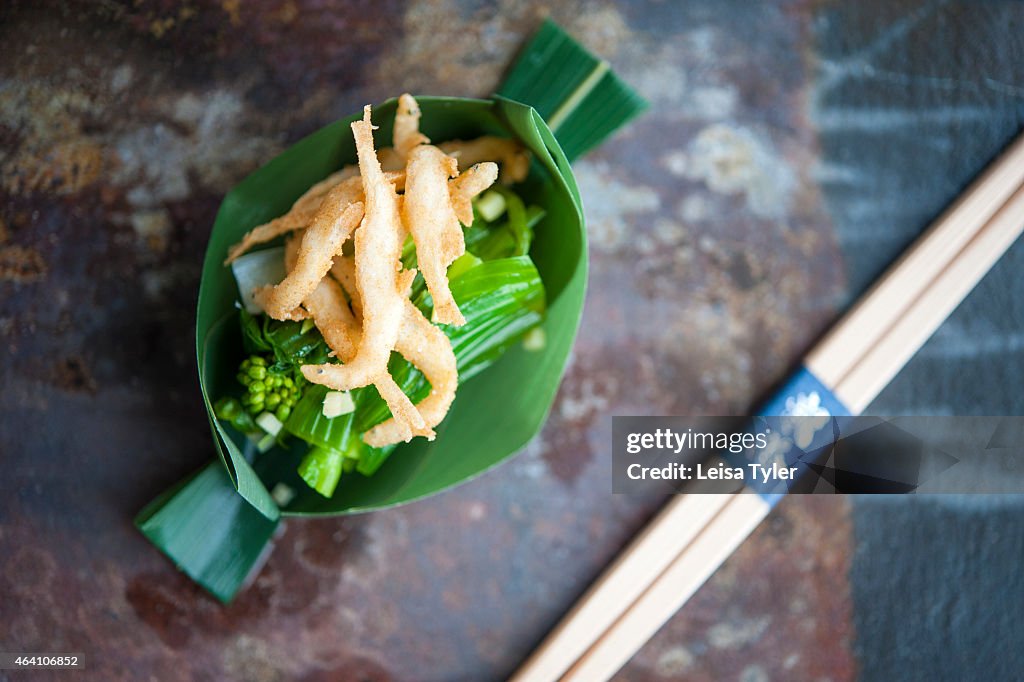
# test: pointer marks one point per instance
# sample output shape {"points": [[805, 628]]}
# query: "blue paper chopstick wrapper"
{"points": [[806, 418]]}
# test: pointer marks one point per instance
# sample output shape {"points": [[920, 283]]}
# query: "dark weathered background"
{"points": [[792, 150]]}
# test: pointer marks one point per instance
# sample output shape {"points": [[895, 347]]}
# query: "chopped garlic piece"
{"points": [[337, 403], [269, 423], [490, 206]]}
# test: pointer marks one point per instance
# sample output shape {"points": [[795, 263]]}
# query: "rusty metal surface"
{"points": [[713, 266], [778, 609]]}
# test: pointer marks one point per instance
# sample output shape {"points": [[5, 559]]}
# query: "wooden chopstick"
{"points": [[887, 356], [737, 519], [896, 290], [683, 576], [661, 545], [621, 584]]}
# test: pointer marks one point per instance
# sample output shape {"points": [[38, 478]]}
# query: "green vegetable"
{"points": [[461, 264], [232, 411], [501, 300], [490, 205], [485, 240], [321, 469], [505, 240], [521, 230], [293, 346], [267, 388], [307, 421], [252, 335], [286, 343]]}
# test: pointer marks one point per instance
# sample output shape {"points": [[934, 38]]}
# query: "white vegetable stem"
{"points": [[255, 270]]}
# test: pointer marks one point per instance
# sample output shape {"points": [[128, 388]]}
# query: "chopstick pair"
{"points": [[694, 534]]}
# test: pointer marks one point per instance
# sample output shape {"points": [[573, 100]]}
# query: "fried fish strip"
{"points": [[332, 316], [378, 250], [334, 320], [469, 184], [304, 210], [406, 135], [338, 216], [430, 218], [430, 351], [300, 215], [344, 270], [513, 157]]}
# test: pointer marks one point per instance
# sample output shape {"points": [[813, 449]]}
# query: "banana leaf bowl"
{"points": [[496, 412]]}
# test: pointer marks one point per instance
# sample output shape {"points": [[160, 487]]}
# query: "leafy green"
{"points": [[307, 421], [466, 261], [293, 346], [485, 239], [518, 226], [292, 343], [231, 410], [373, 458], [252, 334], [502, 240], [501, 310], [321, 469], [501, 298]]}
